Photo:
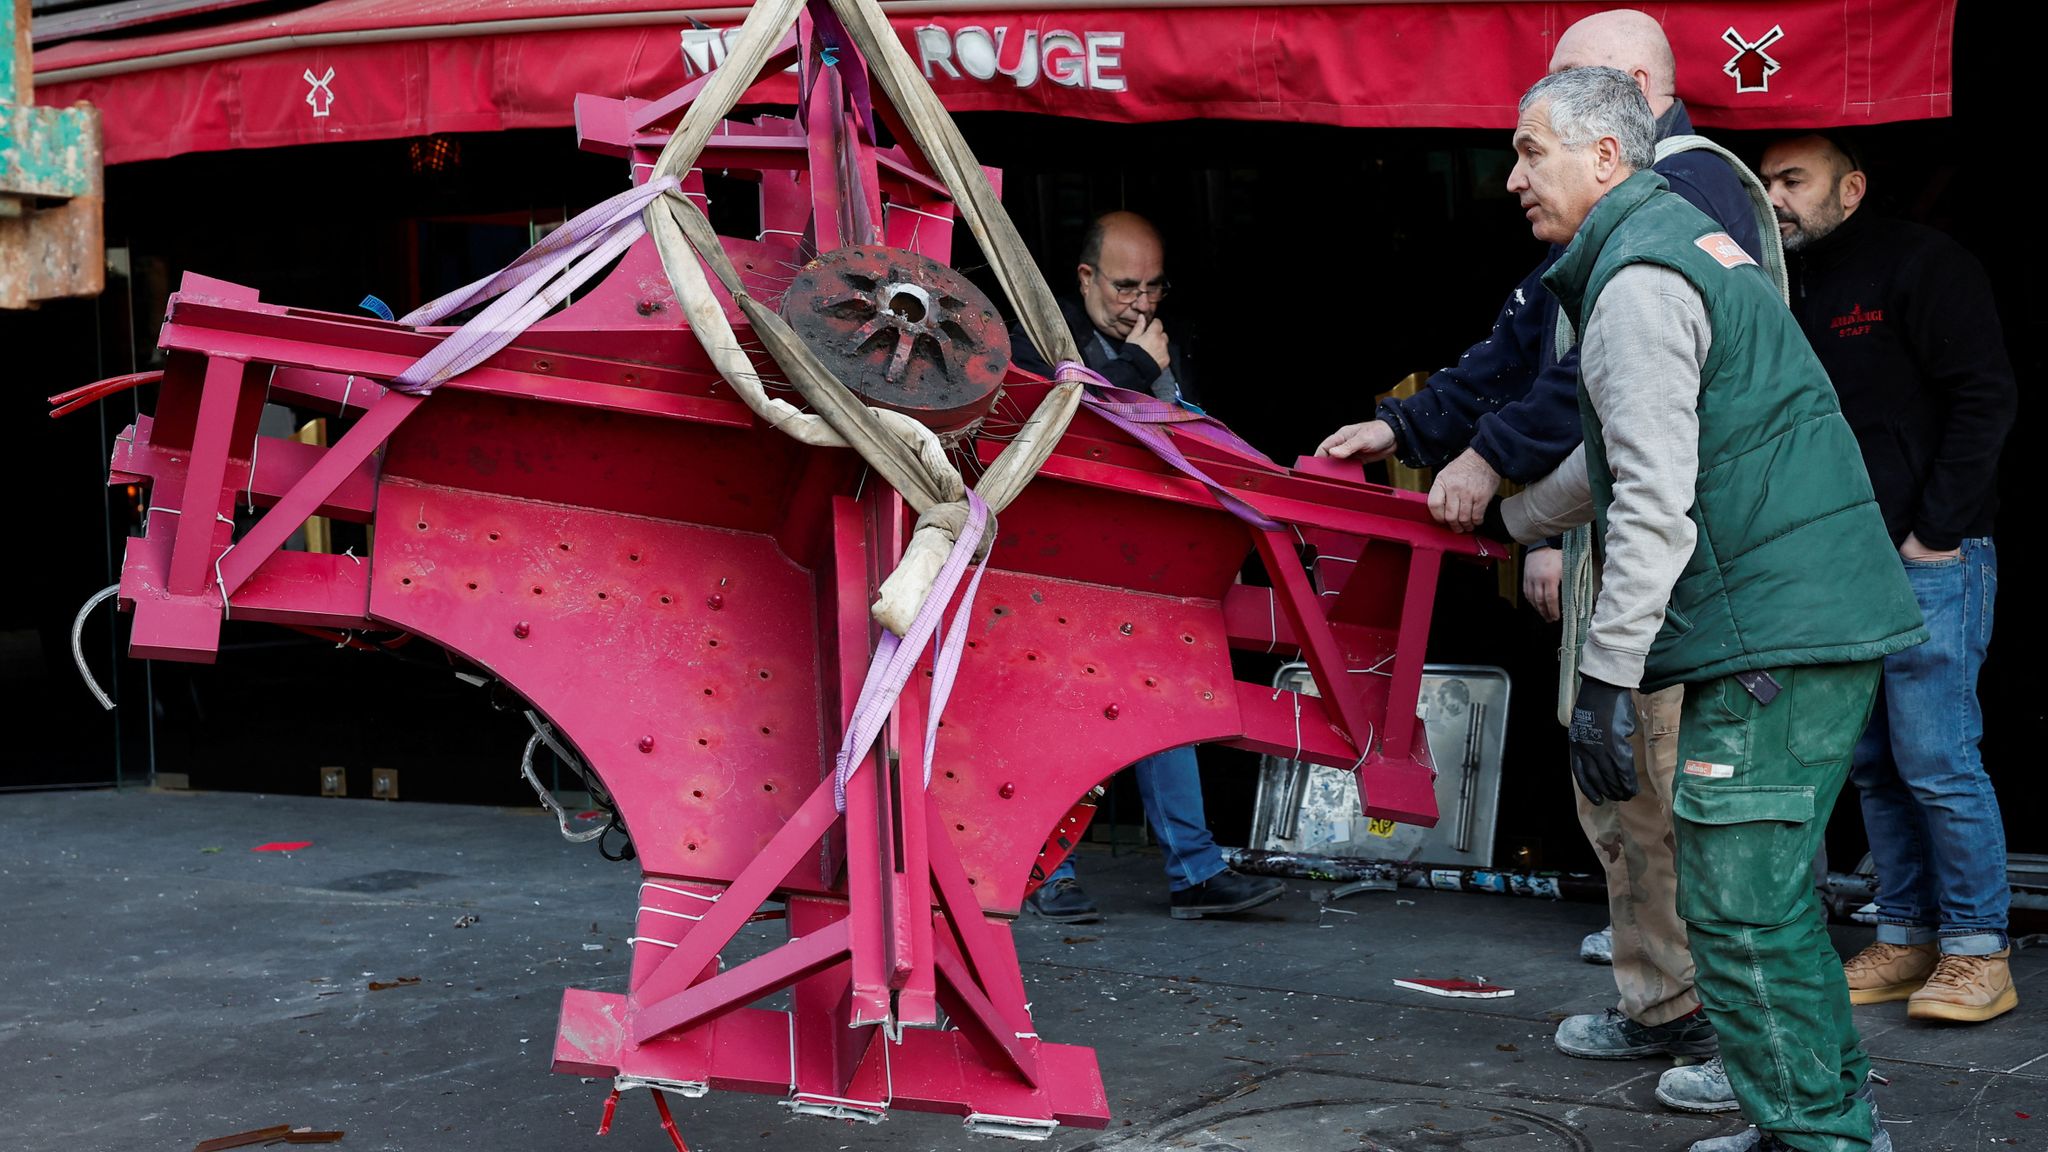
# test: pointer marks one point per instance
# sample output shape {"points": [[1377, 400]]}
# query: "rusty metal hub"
{"points": [[902, 331]]}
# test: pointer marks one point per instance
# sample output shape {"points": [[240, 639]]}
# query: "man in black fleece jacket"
{"points": [[1904, 321]]}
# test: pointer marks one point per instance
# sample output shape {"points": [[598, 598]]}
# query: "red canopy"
{"points": [[376, 69]]}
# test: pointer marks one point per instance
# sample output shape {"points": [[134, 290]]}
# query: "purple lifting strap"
{"points": [[585, 246], [1145, 417], [895, 659]]}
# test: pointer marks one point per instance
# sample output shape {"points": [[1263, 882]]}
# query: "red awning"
{"points": [[377, 69]]}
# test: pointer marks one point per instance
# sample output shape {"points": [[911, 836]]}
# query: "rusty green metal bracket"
{"points": [[51, 243]]}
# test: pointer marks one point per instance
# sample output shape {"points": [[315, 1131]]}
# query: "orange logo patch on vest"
{"points": [[1723, 247]]}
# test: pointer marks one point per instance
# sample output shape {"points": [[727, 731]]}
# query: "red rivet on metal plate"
{"points": [[1110, 713], [1007, 791], [714, 601], [647, 743], [522, 629]]}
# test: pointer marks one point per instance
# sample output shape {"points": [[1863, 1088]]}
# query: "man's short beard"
{"points": [[1826, 218]]}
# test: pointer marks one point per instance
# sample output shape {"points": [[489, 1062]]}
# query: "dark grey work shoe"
{"points": [[1063, 902], [1223, 894], [1613, 1036], [1697, 1088]]}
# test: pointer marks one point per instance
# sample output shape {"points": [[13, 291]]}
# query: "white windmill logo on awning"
{"points": [[320, 97], [1751, 65]]}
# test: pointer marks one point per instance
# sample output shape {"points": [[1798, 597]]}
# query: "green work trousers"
{"points": [[1754, 788]]}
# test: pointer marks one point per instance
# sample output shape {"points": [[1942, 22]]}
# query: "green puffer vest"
{"points": [[1793, 565]]}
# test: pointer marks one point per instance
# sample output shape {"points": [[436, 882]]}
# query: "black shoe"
{"points": [[1610, 1035], [1063, 902], [1224, 893]]}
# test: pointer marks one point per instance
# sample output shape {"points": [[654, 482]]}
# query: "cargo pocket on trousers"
{"points": [[1744, 854]]}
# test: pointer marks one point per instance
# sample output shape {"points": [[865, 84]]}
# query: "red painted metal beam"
{"points": [[313, 489]]}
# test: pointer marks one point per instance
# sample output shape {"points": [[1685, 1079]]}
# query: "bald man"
{"points": [[1510, 407], [1121, 279], [1905, 323], [1115, 320]]}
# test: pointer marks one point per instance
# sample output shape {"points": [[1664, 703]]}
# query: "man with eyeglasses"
{"points": [[1115, 322]]}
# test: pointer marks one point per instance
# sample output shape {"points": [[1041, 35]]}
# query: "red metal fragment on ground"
{"points": [[1473, 989], [243, 1139], [282, 846]]}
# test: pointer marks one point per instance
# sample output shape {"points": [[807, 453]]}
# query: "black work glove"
{"points": [[1603, 760]]}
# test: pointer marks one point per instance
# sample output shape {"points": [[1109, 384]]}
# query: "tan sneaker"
{"points": [[1885, 972], [1966, 989]]}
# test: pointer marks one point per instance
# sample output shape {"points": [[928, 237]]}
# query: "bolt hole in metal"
{"points": [[472, 585], [665, 600], [712, 643], [635, 557], [763, 674], [405, 580], [564, 545], [536, 589], [603, 596], [494, 535], [422, 525], [702, 742]]}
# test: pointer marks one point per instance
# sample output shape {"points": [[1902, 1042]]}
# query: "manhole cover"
{"points": [[1374, 1124]]}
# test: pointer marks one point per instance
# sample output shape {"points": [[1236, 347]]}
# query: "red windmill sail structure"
{"points": [[681, 592]]}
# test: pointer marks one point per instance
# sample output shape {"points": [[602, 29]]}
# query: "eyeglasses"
{"points": [[1128, 291]]}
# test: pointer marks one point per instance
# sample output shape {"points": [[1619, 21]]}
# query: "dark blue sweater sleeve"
{"points": [[1526, 440], [1437, 423]]}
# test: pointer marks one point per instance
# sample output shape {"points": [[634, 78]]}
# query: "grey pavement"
{"points": [[161, 984]]}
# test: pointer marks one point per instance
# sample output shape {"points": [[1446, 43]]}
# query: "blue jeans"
{"points": [[1928, 807], [1170, 787]]}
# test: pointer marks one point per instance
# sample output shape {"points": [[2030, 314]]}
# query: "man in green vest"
{"points": [[1744, 557]]}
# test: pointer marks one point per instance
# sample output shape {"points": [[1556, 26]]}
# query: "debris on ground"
{"points": [[275, 1134], [1472, 989], [282, 846], [402, 981]]}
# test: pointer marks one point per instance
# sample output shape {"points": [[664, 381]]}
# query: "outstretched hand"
{"points": [[1372, 440]]}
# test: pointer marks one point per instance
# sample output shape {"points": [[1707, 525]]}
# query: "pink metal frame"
{"points": [[593, 518]]}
